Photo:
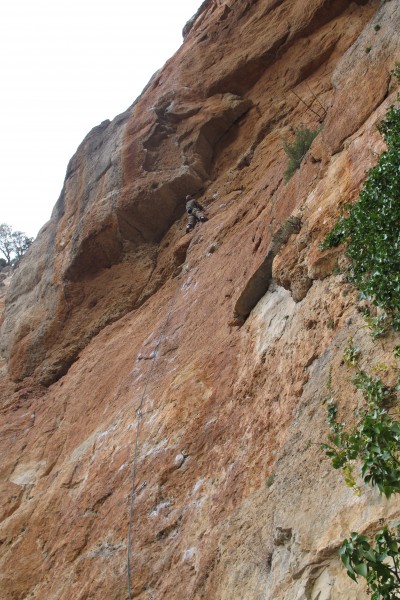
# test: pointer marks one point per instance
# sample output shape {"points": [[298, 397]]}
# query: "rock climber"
{"points": [[195, 211]]}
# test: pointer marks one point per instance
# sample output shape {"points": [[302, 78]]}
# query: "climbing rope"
{"points": [[135, 454]]}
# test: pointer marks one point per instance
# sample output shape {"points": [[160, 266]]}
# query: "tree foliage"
{"points": [[372, 227], [374, 440], [371, 230], [378, 563], [13, 244]]}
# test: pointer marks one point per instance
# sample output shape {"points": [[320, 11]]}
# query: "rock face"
{"points": [[114, 304]]}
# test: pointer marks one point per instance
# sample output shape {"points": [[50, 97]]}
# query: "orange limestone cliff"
{"points": [[227, 335]]}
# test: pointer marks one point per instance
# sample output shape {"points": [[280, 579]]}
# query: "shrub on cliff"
{"points": [[371, 227], [296, 150], [371, 231]]}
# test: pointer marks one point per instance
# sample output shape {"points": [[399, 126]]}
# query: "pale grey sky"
{"points": [[65, 66]]}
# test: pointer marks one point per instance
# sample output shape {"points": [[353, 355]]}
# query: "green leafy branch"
{"points": [[379, 564], [379, 325], [374, 439], [351, 354], [371, 227]]}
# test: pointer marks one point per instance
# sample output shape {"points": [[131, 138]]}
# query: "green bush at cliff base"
{"points": [[372, 227], [297, 150], [378, 563]]}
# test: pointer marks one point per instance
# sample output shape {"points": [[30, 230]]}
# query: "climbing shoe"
{"points": [[189, 228], [203, 219]]}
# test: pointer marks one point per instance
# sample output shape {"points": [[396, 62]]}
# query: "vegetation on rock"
{"points": [[371, 231], [379, 563], [372, 227], [374, 439], [297, 149]]}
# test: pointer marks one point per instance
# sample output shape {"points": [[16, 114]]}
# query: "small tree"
{"points": [[13, 244], [21, 243], [6, 242]]}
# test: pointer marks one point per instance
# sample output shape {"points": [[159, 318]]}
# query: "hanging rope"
{"points": [[135, 454]]}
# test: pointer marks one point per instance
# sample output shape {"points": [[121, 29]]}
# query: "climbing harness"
{"points": [[136, 446]]}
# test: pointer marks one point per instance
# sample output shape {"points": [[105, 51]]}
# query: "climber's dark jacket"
{"points": [[192, 204], [194, 210]]}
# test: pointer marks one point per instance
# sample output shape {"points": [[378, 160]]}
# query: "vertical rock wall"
{"points": [[234, 499]]}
